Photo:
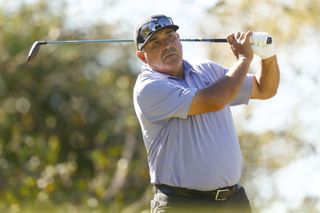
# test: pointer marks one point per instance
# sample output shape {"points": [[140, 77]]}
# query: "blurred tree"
{"points": [[68, 133]]}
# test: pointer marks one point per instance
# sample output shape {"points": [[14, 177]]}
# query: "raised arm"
{"points": [[219, 94], [266, 80]]}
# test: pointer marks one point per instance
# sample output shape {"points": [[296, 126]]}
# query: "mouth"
{"points": [[169, 53]]}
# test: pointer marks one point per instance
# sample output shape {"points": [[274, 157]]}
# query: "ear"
{"points": [[141, 55]]}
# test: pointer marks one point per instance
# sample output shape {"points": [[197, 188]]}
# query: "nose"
{"points": [[166, 43]]}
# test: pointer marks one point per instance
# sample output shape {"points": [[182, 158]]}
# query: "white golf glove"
{"points": [[260, 47]]}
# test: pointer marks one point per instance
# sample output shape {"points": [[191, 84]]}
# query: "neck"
{"points": [[176, 71]]}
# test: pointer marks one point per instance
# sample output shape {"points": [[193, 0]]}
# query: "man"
{"points": [[184, 111]]}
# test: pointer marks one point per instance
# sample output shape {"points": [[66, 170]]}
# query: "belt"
{"points": [[220, 194]]}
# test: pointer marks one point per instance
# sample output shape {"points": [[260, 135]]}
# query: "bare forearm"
{"points": [[222, 92], [229, 86], [268, 78]]}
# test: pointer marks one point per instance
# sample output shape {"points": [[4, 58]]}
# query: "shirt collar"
{"points": [[187, 68]]}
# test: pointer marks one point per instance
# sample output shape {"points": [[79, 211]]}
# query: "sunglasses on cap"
{"points": [[152, 26]]}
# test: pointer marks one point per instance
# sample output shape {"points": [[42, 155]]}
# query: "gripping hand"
{"points": [[260, 47]]}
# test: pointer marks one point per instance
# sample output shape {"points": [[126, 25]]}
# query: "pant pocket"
{"points": [[159, 203]]}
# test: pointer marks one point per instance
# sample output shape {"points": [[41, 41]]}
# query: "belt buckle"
{"points": [[218, 192]]}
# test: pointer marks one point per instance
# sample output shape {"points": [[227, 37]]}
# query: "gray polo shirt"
{"points": [[198, 152]]}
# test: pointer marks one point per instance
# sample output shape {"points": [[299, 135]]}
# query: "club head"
{"points": [[34, 50]]}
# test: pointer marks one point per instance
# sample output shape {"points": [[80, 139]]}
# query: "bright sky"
{"points": [[127, 13], [300, 178]]}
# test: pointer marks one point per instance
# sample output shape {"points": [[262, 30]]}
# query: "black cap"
{"points": [[149, 26]]}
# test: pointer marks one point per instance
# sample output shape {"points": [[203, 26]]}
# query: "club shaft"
{"points": [[204, 40], [218, 40], [36, 45], [127, 40], [87, 41]]}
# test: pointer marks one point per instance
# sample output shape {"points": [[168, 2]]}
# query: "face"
{"points": [[163, 52]]}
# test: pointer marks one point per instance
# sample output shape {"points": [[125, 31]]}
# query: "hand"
{"points": [[260, 47], [240, 44]]}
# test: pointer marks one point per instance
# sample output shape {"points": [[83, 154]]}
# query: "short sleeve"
{"points": [[163, 99], [244, 94], [212, 72]]}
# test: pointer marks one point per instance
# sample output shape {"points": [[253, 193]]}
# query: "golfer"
{"points": [[193, 151]]}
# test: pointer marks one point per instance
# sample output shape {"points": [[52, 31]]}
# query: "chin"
{"points": [[173, 60]]}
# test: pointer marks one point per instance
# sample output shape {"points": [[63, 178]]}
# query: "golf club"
{"points": [[37, 44]]}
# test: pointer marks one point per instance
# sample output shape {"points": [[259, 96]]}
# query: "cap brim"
{"points": [[174, 27]]}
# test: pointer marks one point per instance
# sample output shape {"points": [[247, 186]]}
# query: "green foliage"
{"points": [[64, 118]]}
